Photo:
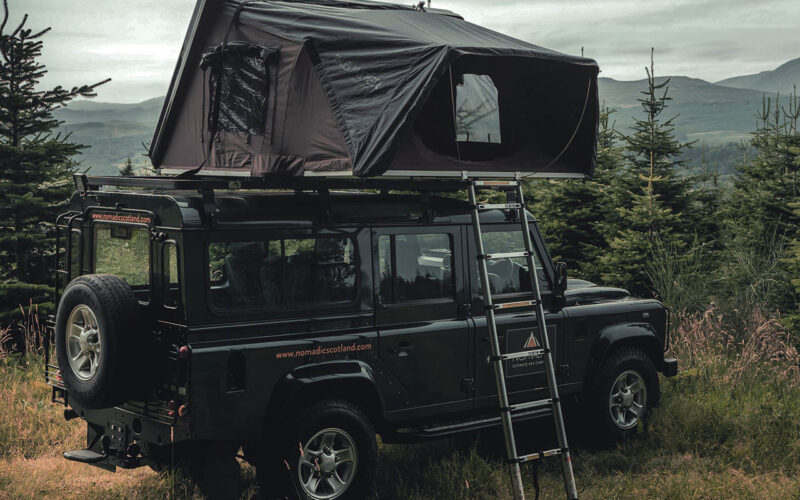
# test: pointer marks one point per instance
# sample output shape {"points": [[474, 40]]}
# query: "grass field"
{"points": [[728, 427]]}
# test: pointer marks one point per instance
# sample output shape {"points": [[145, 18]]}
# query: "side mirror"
{"points": [[560, 284]]}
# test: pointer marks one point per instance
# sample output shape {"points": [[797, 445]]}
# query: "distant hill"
{"points": [[783, 79], [113, 131], [706, 112]]}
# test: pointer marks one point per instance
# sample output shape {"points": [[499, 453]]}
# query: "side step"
{"points": [[85, 456], [479, 424]]}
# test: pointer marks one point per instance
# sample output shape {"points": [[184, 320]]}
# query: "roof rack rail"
{"points": [[85, 183]]}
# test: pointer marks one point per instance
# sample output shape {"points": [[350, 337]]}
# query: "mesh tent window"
{"points": [[477, 111], [239, 87]]}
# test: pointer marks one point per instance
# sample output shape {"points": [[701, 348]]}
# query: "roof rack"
{"points": [[85, 183]]}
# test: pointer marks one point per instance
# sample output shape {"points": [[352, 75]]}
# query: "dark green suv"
{"points": [[296, 325]]}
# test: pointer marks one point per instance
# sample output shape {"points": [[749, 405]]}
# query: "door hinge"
{"points": [[465, 310], [468, 385], [564, 371]]}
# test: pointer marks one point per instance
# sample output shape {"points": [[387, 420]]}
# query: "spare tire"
{"points": [[96, 327]]}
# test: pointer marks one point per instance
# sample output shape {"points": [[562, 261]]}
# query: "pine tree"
{"points": [[127, 169], [35, 167], [654, 198], [792, 318], [769, 181], [765, 198]]}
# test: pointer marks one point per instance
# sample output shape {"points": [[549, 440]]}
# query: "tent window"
{"points": [[477, 111], [239, 87]]}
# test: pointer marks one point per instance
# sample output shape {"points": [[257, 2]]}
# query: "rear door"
{"points": [[517, 328], [424, 335]]}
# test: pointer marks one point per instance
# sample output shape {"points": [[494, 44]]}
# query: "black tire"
{"points": [[277, 481], [604, 422], [114, 306]]}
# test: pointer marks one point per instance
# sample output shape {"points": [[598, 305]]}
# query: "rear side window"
{"points": [[124, 251], [415, 267], [171, 284], [281, 273]]}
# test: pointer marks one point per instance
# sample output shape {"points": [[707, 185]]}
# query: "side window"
{"points": [[171, 284], [415, 267], [124, 251], [286, 273], [509, 275]]}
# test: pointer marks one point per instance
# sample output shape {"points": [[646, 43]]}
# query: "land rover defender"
{"points": [[194, 321]]}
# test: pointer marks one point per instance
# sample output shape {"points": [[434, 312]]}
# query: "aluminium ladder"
{"points": [[498, 358]]}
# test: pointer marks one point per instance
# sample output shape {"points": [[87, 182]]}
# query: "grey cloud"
{"points": [[136, 42]]}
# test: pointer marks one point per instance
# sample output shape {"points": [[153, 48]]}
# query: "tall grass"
{"points": [[26, 335], [728, 427], [680, 278]]}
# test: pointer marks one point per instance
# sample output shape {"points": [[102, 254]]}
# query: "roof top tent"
{"points": [[364, 89]]}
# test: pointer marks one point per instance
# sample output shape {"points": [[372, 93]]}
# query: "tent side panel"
{"points": [[311, 133], [189, 137]]}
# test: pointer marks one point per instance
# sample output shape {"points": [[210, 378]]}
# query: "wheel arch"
{"points": [[351, 381], [617, 336]]}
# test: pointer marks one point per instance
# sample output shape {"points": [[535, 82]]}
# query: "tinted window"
{"points": [[415, 267], [123, 251], [509, 275], [170, 268], [282, 273]]}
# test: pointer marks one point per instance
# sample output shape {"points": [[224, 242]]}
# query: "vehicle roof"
{"points": [[186, 209]]}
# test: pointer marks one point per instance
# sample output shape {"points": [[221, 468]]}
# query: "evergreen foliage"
{"points": [[127, 169], [653, 197], [769, 180], [35, 168], [764, 200]]}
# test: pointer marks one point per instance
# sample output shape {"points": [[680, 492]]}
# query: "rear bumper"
{"points": [[670, 367]]}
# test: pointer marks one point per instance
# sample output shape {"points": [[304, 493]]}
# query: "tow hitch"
{"points": [[108, 448]]}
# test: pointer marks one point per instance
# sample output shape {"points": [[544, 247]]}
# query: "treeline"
{"points": [[36, 165], [651, 222]]}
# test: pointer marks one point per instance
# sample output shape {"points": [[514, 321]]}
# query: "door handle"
{"points": [[402, 349]]}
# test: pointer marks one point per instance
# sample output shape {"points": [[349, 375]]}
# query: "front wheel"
{"points": [[331, 452], [626, 389]]}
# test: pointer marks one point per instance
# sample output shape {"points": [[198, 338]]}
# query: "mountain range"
{"points": [[718, 115]]}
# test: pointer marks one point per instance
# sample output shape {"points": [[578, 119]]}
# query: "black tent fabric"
{"points": [[370, 89]]}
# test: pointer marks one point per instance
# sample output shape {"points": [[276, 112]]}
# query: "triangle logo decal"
{"points": [[531, 343]]}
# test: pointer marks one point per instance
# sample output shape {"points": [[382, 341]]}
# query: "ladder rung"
{"points": [[495, 183], [540, 403], [540, 455], [505, 255], [521, 354], [499, 206], [512, 305]]}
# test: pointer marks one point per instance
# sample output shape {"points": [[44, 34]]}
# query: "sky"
{"points": [[136, 42]]}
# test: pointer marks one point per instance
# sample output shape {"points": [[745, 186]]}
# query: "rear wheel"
{"points": [[331, 453]]}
